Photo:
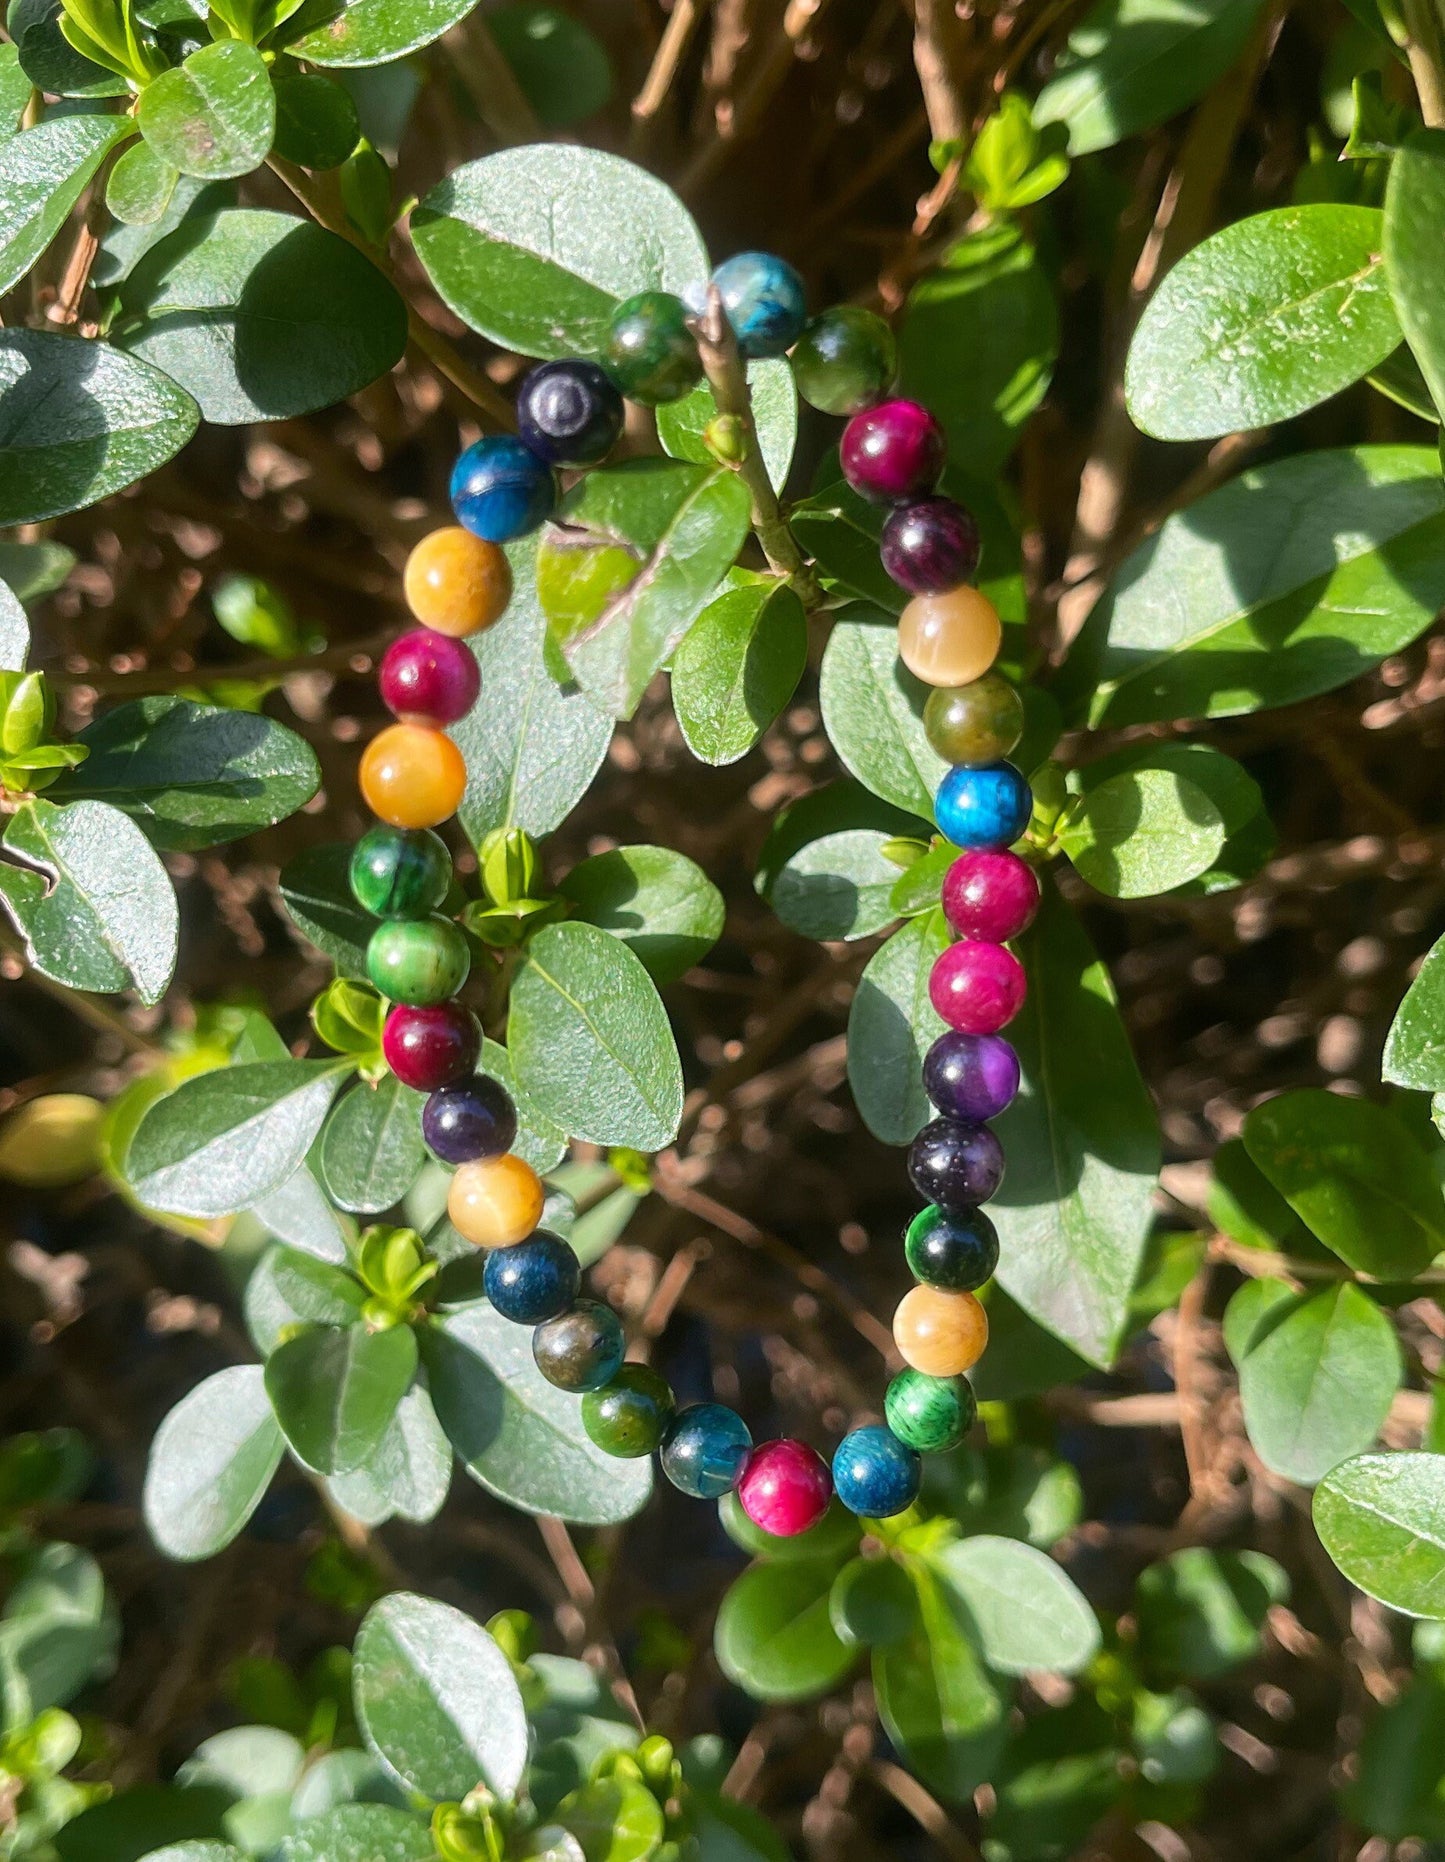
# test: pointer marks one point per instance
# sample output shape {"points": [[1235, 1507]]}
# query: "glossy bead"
{"points": [[765, 302], [705, 1449], [400, 873], [977, 988], [972, 1077], [495, 1202], [418, 960], [875, 1474], [949, 639], [956, 1165], [985, 807], [456, 583], [428, 677], [533, 1280], [569, 413], [412, 776], [892, 452], [785, 1488], [580, 1349], [431, 1047], [975, 723], [845, 360], [930, 546], [650, 352], [941, 1334], [929, 1414], [955, 1249], [501, 490], [628, 1415], [990, 894], [469, 1119]]}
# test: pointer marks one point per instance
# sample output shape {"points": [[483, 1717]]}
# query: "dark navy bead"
{"points": [[705, 1449], [955, 1249], [474, 1118], [581, 1349], [501, 489], [533, 1280], [764, 300], [983, 807], [875, 1474], [972, 1077], [569, 413], [958, 1166]]}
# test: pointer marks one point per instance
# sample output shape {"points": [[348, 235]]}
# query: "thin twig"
{"points": [[1425, 48], [683, 22], [924, 1808]]}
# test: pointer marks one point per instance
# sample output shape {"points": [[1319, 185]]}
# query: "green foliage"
{"points": [[873, 712], [212, 116], [43, 173], [1143, 832], [1382, 1519], [738, 664]]}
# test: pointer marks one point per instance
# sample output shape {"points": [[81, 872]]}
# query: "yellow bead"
{"points": [[495, 1202], [949, 639], [412, 776], [457, 583], [939, 1333]]}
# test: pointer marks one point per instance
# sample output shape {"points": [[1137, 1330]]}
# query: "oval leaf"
{"points": [[737, 666], [891, 1026], [210, 1463], [838, 887], [410, 1472], [659, 903], [774, 1636], [371, 32], [359, 1833], [1142, 833], [1382, 1519], [335, 1391], [371, 1148], [873, 712], [43, 173], [1026, 1610], [1414, 205], [214, 116], [1415, 1049]]}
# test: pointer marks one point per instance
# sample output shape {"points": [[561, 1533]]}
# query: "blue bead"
{"points": [[704, 1450], [533, 1281], [987, 806], [764, 300], [874, 1474], [501, 489]]}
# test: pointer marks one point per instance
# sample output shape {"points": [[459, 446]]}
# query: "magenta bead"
{"points": [[990, 894], [429, 678], [892, 452], [976, 987], [428, 1048], [785, 1488]]}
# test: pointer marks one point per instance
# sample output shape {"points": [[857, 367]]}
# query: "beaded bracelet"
{"points": [[457, 582]]}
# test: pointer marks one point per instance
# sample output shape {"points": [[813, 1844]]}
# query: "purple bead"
{"points": [[430, 1047], [976, 987], [893, 452], [474, 1118], [429, 678], [930, 546], [955, 1165], [990, 893], [971, 1077]]}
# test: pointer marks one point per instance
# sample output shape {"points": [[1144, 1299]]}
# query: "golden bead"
{"points": [[495, 1202], [457, 583], [412, 776], [939, 1333], [949, 639]]}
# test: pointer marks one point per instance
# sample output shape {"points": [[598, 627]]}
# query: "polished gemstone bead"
{"points": [[533, 1280], [495, 1202], [650, 352], [705, 1449], [428, 1048], [428, 677], [975, 723], [991, 894], [785, 1488], [956, 1165], [984, 807], [400, 873], [418, 960], [845, 360], [412, 776], [971, 1077], [874, 1473], [977, 988], [764, 300], [930, 546], [569, 413], [929, 1414], [501, 489], [469, 1119], [628, 1415], [457, 583], [580, 1349], [939, 1333], [949, 639], [956, 1249], [893, 452]]}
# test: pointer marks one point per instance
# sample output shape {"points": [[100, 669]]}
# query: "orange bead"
{"points": [[939, 1333], [457, 583], [495, 1202], [412, 776], [949, 639]]}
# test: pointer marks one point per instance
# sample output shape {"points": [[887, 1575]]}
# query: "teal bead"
{"points": [[649, 351], [929, 1414], [418, 961], [845, 360], [875, 1474], [628, 1416], [400, 872], [705, 1450]]}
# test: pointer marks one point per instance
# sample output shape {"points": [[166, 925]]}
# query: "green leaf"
{"points": [[835, 1537], [682, 423], [213, 116], [1399, 379], [93, 902], [1382, 1519], [1025, 1610], [43, 173], [1251, 1312], [1200, 1612], [1393, 1792], [140, 186], [317, 125], [871, 1603], [335, 1391], [15, 90], [838, 887], [659, 903], [1248, 832], [210, 1463], [538, 1140], [561, 66], [359, 1833], [49, 60], [316, 892], [1415, 1047], [1143, 832], [198, 1850], [873, 711], [409, 1473], [35, 569], [891, 1026], [371, 1145], [1414, 201], [737, 666], [60, 1631], [370, 32], [288, 1287], [918, 887], [616, 1819], [773, 1636]]}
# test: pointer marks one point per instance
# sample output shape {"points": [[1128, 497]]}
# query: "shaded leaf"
{"points": [[659, 903], [737, 666], [371, 1145], [335, 1391], [891, 1026]]}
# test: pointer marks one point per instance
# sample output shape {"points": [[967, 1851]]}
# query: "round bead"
{"points": [[949, 639], [892, 452], [941, 1334], [785, 1488], [495, 1202], [764, 300], [705, 1449], [628, 1415], [650, 352], [975, 723], [845, 360], [986, 807], [972, 1077], [428, 1048], [470, 1119], [501, 489], [428, 677], [580, 1349], [534, 1280], [875, 1474], [397, 873], [991, 894], [956, 1250], [930, 546], [418, 960], [956, 1165], [929, 1414], [456, 583], [412, 776], [977, 988], [569, 413]]}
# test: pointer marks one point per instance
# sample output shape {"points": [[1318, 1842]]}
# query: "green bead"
{"points": [[845, 360], [977, 723], [418, 962], [929, 1414], [400, 872], [627, 1417], [650, 352]]}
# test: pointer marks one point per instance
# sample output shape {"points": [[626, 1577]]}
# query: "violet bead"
{"points": [[976, 987], [892, 452], [930, 546], [971, 1077], [470, 1119], [955, 1165], [990, 893], [429, 678]]}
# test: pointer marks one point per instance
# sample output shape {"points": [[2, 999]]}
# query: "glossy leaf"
{"points": [[317, 124], [737, 666], [871, 1603], [335, 1391], [49, 60], [1414, 202], [838, 887], [1382, 1519], [1143, 832], [140, 186], [408, 1474], [873, 712], [538, 1140], [34, 569], [60, 1630], [891, 1026], [369, 32], [773, 1635], [214, 115], [659, 903], [1415, 1048], [43, 173], [15, 90], [682, 423], [316, 892], [1025, 1610], [212, 1459], [288, 1287], [371, 1145], [1249, 838]]}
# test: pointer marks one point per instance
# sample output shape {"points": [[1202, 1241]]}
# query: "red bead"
{"points": [[990, 894], [427, 1048], [785, 1488], [977, 987], [892, 452], [429, 678]]}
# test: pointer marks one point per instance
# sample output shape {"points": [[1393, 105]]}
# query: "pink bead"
{"points": [[990, 894], [892, 452], [976, 987], [785, 1488], [429, 678]]}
